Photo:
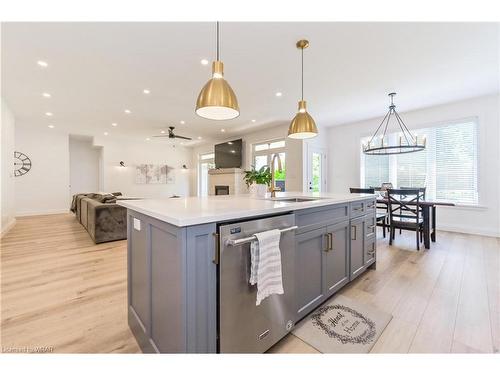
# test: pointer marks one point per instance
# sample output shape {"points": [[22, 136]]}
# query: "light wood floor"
{"points": [[59, 290]]}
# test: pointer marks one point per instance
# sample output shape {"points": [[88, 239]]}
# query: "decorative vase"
{"points": [[258, 190]]}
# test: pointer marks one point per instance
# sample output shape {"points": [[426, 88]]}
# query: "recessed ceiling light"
{"points": [[146, 91], [199, 137], [148, 139], [42, 63], [162, 132], [182, 122], [254, 120], [182, 143], [49, 114], [204, 62], [114, 124], [105, 133], [128, 111], [278, 94], [51, 126], [46, 95], [223, 130]]}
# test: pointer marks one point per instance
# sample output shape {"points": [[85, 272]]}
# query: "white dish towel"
{"points": [[265, 257]]}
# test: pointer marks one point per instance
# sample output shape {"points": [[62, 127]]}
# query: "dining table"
{"points": [[428, 208]]}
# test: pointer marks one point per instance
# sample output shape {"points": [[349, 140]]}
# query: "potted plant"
{"points": [[258, 181]]}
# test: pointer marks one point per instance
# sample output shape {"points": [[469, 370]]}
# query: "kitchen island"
{"points": [[188, 266]]}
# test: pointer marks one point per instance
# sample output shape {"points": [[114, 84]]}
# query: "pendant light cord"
{"points": [[302, 88], [217, 44]]}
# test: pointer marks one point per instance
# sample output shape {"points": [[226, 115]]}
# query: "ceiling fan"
{"points": [[172, 135]]}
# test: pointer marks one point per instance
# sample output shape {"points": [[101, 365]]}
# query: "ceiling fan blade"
{"points": [[181, 137], [160, 136]]}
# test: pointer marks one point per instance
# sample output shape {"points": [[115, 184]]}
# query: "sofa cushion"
{"points": [[106, 221], [104, 198]]}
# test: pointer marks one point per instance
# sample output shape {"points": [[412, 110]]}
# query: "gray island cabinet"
{"points": [[173, 270]]}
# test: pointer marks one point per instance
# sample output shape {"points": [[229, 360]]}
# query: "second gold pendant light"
{"points": [[217, 100], [302, 125]]}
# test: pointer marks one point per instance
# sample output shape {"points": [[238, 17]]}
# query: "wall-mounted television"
{"points": [[229, 154]]}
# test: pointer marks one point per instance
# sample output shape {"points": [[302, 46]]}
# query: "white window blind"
{"points": [[376, 170], [447, 167]]}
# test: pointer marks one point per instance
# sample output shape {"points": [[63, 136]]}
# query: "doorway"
{"points": [[84, 159], [316, 170]]}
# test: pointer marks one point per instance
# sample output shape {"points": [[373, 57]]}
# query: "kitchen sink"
{"points": [[296, 199]]}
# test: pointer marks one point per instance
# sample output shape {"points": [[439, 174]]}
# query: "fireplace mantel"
{"points": [[231, 177]]}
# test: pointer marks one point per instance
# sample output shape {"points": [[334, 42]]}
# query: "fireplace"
{"points": [[221, 189]]}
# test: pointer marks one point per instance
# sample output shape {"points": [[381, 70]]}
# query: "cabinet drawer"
{"points": [[370, 227], [313, 218], [360, 208], [370, 251], [371, 206]]}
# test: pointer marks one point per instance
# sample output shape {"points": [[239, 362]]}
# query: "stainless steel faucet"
{"points": [[274, 189]]}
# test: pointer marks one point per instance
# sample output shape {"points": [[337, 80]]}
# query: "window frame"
{"points": [[270, 151], [435, 125]]}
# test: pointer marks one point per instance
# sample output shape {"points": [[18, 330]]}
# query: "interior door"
{"points": [[316, 170]]}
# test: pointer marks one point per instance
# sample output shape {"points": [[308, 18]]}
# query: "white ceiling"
{"points": [[96, 70]]}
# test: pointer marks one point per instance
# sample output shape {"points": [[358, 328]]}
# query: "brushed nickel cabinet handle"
{"points": [[353, 227], [216, 249], [330, 241], [371, 226]]}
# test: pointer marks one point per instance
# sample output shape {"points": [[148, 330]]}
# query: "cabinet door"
{"points": [[167, 302], [309, 250], [357, 246], [336, 259], [138, 273]]}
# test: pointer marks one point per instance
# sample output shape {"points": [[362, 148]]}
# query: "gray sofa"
{"points": [[103, 219]]}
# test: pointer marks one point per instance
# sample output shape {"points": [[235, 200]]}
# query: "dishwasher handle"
{"points": [[241, 241]]}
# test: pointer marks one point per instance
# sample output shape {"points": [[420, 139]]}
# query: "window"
{"points": [[447, 167], [262, 154], [206, 162]]}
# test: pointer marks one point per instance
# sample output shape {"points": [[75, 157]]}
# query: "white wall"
{"points": [[45, 188], [84, 161], [116, 178], [7, 139], [344, 160], [294, 155]]}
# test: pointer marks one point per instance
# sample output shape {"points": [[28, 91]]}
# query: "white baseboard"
{"points": [[44, 212], [8, 227], [469, 230]]}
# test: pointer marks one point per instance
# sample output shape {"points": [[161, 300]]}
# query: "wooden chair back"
{"points": [[420, 189], [362, 190], [404, 204]]}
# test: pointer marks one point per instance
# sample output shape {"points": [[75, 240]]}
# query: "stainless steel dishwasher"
{"points": [[243, 326]]}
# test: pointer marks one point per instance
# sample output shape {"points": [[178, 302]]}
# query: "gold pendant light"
{"points": [[302, 125], [217, 100]]}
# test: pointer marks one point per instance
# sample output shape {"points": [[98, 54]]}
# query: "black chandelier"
{"points": [[378, 144]]}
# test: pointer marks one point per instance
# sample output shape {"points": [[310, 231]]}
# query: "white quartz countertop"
{"points": [[200, 210]]}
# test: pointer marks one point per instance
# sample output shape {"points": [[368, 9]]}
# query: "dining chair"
{"points": [[420, 189], [404, 216], [381, 217], [362, 190]]}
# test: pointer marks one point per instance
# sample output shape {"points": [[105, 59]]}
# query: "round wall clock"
{"points": [[22, 164]]}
